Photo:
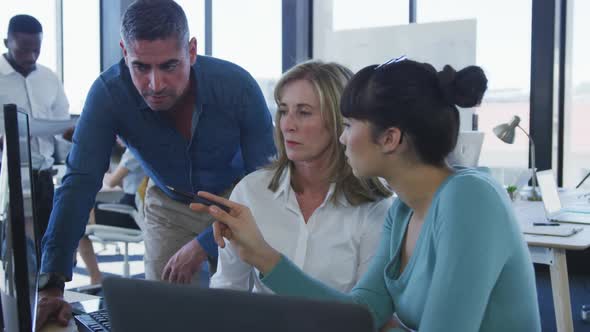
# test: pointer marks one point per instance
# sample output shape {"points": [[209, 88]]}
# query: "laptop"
{"points": [[467, 150], [150, 306], [552, 204]]}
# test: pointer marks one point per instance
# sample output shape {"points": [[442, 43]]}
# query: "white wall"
{"points": [[440, 43]]}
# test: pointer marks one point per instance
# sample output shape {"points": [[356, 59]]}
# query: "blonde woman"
{"points": [[307, 203]]}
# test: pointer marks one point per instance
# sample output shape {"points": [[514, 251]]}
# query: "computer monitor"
{"points": [[132, 305], [18, 250], [467, 150]]}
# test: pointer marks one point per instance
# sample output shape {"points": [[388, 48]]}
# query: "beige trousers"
{"points": [[168, 225]]}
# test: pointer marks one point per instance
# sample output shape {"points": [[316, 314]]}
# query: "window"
{"points": [[81, 49], [45, 12], [504, 52], [249, 33], [577, 112], [195, 14], [348, 14]]}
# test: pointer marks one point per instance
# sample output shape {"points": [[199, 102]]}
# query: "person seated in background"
{"points": [[128, 175], [452, 256], [307, 203]]}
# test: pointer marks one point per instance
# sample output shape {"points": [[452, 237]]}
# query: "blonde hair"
{"points": [[328, 80]]}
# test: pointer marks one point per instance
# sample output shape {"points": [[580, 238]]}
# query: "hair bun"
{"points": [[464, 88]]}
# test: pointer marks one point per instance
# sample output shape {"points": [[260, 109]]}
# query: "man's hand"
{"points": [[185, 263], [51, 307]]}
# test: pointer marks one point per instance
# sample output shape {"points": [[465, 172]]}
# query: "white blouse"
{"points": [[335, 246]]}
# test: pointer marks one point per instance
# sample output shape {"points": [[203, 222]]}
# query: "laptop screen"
{"points": [[549, 191]]}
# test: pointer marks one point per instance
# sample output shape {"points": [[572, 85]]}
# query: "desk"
{"points": [[550, 250], [70, 297]]}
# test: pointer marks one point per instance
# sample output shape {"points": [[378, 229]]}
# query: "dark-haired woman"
{"points": [[451, 257]]}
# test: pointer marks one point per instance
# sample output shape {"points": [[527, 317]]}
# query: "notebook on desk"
{"points": [[552, 203], [561, 230]]}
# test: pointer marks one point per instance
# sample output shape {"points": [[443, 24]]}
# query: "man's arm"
{"points": [[256, 143], [256, 129], [207, 242], [86, 163]]}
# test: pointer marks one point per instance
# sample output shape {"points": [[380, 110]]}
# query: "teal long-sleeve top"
{"points": [[470, 269]]}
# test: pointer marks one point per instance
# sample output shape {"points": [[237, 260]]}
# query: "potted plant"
{"points": [[512, 192]]}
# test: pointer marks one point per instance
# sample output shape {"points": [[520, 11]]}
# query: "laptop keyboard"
{"points": [[97, 321]]}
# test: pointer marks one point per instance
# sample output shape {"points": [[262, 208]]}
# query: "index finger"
{"points": [[218, 199], [199, 207]]}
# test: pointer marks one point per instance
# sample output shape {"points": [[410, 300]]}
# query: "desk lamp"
{"points": [[506, 132]]}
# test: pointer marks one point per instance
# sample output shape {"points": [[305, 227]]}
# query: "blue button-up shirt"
{"points": [[231, 136]]}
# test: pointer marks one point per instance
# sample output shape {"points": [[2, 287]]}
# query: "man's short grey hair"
{"points": [[154, 19]]}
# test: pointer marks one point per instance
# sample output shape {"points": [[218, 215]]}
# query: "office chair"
{"points": [[103, 233]]}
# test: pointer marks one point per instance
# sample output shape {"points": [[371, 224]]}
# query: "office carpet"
{"points": [[579, 293]]}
